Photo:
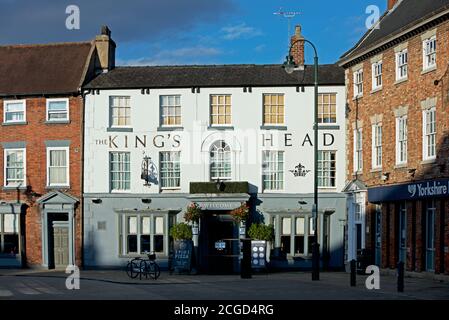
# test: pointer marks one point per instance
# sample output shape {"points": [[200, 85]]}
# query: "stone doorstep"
{"points": [[417, 275]]}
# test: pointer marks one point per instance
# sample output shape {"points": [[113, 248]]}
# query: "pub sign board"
{"points": [[182, 260], [410, 191]]}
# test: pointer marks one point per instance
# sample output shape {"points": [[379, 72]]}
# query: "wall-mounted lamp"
{"points": [[97, 201], [146, 200], [302, 202], [219, 185], [411, 172], [385, 176]]}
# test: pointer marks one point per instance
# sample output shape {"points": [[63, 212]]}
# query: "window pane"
{"points": [[132, 225], [146, 225], [285, 244], [286, 226], [159, 225], [145, 243], [300, 226]]}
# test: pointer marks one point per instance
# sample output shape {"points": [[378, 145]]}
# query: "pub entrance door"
{"points": [[219, 244]]}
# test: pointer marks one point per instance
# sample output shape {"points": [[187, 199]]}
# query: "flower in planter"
{"points": [[193, 213], [241, 213]]}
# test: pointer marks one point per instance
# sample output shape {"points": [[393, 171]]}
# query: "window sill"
{"points": [[429, 161], [169, 190], [431, 69], [327, 188], [57, 122], [376, 170], [21, 123], [10, 188], [376, 90], [401, 166], [273, 127], [57, 187], [220, 127], [328, 127], [357, 97], [174, 128], [117, 129], [400, 81]]}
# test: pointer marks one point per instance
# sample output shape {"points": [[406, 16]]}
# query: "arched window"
{"points": [[220, 161]]}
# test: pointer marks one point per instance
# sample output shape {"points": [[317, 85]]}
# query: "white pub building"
{"points": [[217, 136]]}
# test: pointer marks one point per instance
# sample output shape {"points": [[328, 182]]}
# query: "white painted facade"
{"points": [[246, 138]]}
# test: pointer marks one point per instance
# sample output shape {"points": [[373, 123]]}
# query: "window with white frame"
{"points": [[58, 166], [15, 167], [9, 234], [14, 111], [327, 108], [170, 110], [402, 65], [220, 161], [120, 171], [273, 170], [57, 110], [300, 239], [429, 134], [170, 169], [273, 109], [358, 83], [120, 111], [377, 146], [430, 53], [220, 109], [327, 169], [401, 140], [142, 233], [358, 148], [377, 75]]}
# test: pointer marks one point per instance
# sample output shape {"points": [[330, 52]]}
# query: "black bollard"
{"points": [[245, 262], [315, 261], [353, 273], [401, 276]]}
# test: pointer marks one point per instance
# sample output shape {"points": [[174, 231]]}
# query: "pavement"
{"points": [[115, 284]]}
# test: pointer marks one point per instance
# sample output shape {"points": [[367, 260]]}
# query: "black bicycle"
{"points": [[139, 267]]}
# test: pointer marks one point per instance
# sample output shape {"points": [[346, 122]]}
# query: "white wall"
{"points": [[246, 139]]}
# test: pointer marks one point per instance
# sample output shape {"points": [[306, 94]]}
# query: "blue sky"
{"points": [[153, 32]]}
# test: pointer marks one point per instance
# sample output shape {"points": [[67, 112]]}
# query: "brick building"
{"points": [[41, 117], [397, 138]]}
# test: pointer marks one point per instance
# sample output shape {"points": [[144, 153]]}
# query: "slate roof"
{"points": [[213, 76], [43, 69], [405, 15]]}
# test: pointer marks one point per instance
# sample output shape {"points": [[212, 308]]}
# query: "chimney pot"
{"points": [[391, 4], [105, 31]]}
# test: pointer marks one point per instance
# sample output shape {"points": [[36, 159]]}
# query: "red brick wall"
{"points": [[417, 88], [35, 133]]}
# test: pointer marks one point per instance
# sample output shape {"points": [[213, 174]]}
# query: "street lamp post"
{"points": [[289, 67]]}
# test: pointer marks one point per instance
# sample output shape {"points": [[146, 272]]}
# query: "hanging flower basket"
{"points": [[193, 213], [241, 213]]}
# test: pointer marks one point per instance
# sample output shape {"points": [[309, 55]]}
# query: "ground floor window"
{"points": [[296, 234], [9, 234], [140, 233]]}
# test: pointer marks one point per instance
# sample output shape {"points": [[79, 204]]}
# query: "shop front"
{"points": [[11, 239], [411, 225]]}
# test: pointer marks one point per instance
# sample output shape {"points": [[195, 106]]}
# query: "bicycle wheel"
{"points": [[153, 270], [132, 269]]}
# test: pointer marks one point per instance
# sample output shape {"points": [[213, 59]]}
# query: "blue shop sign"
{"points": [[410, 191]]}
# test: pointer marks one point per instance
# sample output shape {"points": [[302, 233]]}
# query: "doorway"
{"points": [[219, 242], [58, 241]]}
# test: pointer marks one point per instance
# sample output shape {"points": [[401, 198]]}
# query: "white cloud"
{"points": [[187, 55], [239, 31]]}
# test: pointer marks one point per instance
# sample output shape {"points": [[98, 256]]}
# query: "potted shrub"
{"points": [[181, 231], [263, 232]]}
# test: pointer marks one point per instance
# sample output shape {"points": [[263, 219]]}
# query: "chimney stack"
{"points": [[391, 4], [298, 48], [105, 49]]}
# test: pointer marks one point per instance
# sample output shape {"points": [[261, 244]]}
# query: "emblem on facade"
{"points": [[412, 190], [149, 171], [300, 171]]}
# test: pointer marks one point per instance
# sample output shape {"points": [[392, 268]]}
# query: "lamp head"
{"points": [[289, 64]]}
